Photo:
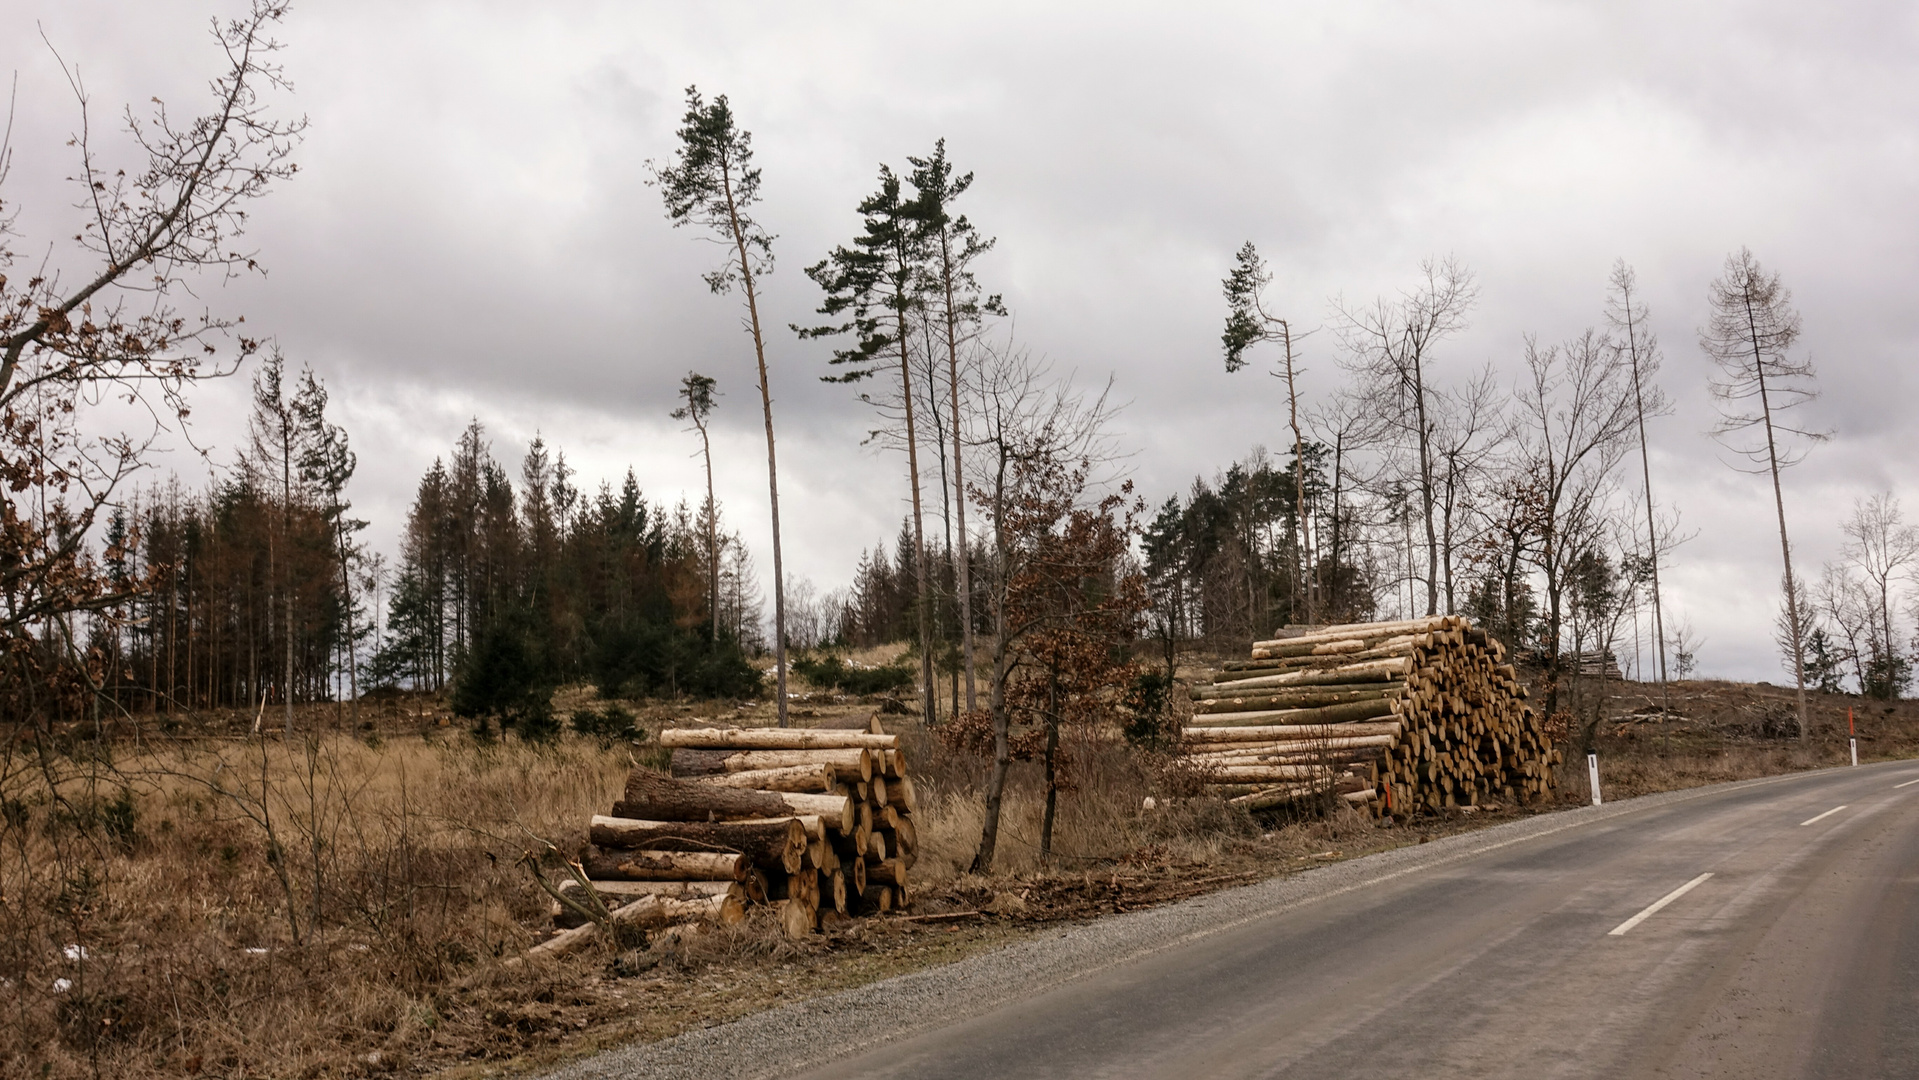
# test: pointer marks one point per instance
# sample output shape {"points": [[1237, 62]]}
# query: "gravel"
{"points": [[789, 1039]]}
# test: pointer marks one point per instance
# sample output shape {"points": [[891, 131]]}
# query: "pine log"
{"points": [[646, 913], [899, 792], [1255, 700], [890, 872], [804, 778], [1226, 774], [797, 919], [846, 764], [1354, 712], [652, 797], [1321, 635], [768, 843], [621, 865], [615, 894], [1263, 733], [1389, 669], [812, 825], [774, 739]]}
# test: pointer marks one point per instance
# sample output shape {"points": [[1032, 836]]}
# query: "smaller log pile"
{"points": [[816, 822], [1395, 717]]}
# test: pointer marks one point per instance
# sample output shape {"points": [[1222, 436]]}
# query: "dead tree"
{"points": [[697, 391], [1752, 329], [1389, 349], [1628, 317], [98, 320]]}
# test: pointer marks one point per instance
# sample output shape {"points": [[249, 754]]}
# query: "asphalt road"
{"points": [[1797, 957]]}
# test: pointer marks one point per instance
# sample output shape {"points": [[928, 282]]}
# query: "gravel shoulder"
{"points": [[788, 1039]]}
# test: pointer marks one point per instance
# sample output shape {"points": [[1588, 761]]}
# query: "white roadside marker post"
{"points": [[1592, 771], [1855, 750]]}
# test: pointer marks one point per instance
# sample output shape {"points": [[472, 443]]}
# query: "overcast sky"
{"points": [[471, 234]]}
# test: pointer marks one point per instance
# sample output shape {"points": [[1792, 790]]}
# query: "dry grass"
{"points": [[1727, 731], [339, 906], [229, 907]]}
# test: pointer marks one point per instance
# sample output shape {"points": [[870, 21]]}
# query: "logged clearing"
{"points": [[349, 902]]}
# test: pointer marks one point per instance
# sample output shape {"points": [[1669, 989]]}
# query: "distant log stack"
{"points": [[815, 821], [1396, 717]]}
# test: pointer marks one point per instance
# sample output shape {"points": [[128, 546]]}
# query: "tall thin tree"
{"points": [[1752, 329], [275, 445], [697, 391], [878, 282], [327, 463], [1247, 324], [953, 244], [1628, 316], [1389, 347], [712, 183]]}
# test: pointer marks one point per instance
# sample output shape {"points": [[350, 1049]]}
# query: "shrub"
{"points": [[503, 678], [609, 723], [831, 672], [1147, 721]]}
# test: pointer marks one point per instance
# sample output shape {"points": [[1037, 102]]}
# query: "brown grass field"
{"points": [[179, 899]]}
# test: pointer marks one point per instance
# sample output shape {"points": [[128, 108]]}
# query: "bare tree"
{"points": [[1753, 326], [1389, 348], [98, 319], [1470, 429], [277, 441], [1883, 549], [1577, 407], [1026, 424], [1248, 323], [1348, 426], [1628, 317], [712, 183], [697, 391]]}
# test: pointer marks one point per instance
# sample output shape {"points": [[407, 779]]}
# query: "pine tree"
{"points": [[878, 282], [957, 306], [712, 183]]}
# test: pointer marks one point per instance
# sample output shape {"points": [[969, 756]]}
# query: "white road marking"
{"points": [[1657, 904], [1823, 816], [1908, 783]]}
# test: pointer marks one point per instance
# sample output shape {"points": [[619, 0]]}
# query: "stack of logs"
{"points": [[817, 822], [1396, 717]]}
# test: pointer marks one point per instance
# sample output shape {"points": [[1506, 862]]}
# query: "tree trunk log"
{"points": [[802, 778], [771, 843], [624, 865], [774, 739], [854, 765], [652, 797]]}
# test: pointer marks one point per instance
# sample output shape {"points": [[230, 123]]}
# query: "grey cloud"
{"points": [[471, 234]]}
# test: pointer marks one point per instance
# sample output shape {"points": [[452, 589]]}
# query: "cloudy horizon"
{"points": [[471, 235]]}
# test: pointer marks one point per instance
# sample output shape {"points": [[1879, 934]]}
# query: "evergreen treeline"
{"points": [[257, 593]]}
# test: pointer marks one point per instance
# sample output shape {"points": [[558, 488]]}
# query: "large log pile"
{"points": [[817, 822], [1396, 717]]}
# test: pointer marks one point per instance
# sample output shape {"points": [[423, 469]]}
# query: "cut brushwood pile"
{"points": [[1395, 717], [817, 822]]}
